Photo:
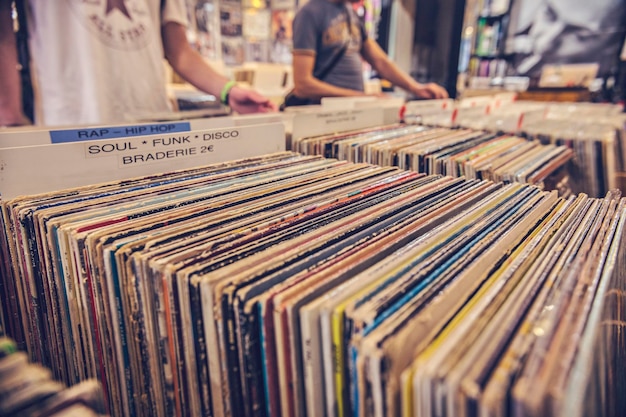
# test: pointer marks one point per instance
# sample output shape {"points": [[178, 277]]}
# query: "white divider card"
{"points": [[418, 105], [38, 169], [342, 103], [28, 136], [432, 112], [390, 106], [478, 101], [324, 122]]}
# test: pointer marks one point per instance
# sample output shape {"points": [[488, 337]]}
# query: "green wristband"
{"points": [[226, 92]]}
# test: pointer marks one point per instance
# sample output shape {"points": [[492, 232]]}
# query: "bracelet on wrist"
{"points": [[225, 94]]}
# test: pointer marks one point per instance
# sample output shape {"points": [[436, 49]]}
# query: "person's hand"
{"points": [[245, 101], [429, 91]]}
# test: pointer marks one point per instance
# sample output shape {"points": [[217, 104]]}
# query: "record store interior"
{"points": [[313, 208]]}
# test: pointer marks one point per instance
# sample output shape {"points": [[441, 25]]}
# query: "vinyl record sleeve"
{"points": [[309, 344], [307, 261], [358, 325], [448, 343], [486, 337], [557, 325], [328, 350], [290, 321], [392, 346], [320, 229]]}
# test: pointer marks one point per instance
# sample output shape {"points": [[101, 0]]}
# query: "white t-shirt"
{"points": [[98, 61]]}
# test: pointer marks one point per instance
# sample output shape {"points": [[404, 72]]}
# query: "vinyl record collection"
{"points": [[598, 148], [596, 133], [460, 153], [28, 390], [289, 285]]}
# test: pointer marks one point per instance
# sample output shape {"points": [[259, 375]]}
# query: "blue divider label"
{"points": [[79, 135]]}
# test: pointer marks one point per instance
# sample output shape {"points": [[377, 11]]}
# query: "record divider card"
{"points": [[34, 135], [325, 122], [39, 169]]}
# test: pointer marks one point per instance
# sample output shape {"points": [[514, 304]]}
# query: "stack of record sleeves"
{"points": [[468, 153], [596, 133], [290, 285], [598, 147], [28, 390]]}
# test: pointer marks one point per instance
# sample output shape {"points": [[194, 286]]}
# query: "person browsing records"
{"points": [[102, 61], [329, 44]]}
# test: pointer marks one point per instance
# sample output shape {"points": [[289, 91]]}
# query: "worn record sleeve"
{"points": [[268, 338], [232, 338], [254, 290], [296, 357], [172, 306], [13, 312], [62, 316], [588, 266], [119, 328], [31, 290], [489, 298], [201, 352], [75, 315], [160, 343], [139, 291], [247, 325], [46, 281], [290, 261], [481, 349], [330, 381], [556, 323], [368, 327], [185, 282], [582, 397], [312, 359], [137, 360], [397, 358], [352, 239], [141, 376], [91, 307]]}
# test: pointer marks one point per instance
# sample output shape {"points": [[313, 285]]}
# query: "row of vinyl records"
{"points": [[472, 154], [596, 133], [290, 285], [27, 389]]}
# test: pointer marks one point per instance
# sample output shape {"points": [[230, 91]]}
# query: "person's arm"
{"points": [[307, 86], [10, 85], [187, 62], [379, 60]]}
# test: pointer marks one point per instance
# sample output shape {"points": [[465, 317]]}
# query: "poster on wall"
{"points": [[257, 51], [256, 24], [282, 36], [232, 50], [207, 30], [230, 18], [556, 32]]}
